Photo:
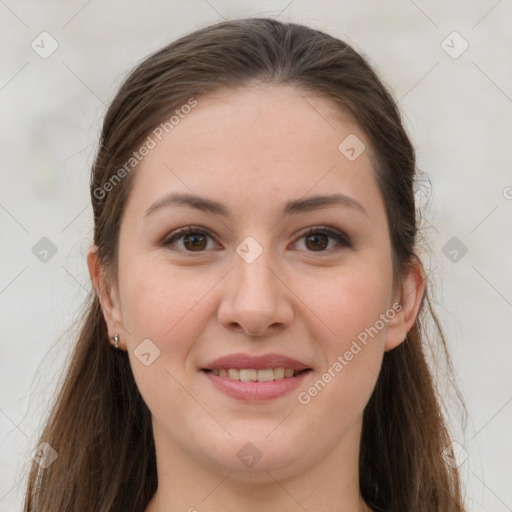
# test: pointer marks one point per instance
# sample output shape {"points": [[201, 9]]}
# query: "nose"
{"points": [[255, 299]]}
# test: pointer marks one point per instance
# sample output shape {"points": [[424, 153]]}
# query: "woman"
{"points": [[254, 270]]}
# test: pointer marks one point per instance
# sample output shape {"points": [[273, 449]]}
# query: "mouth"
{"points": [[256, 378], [254, 375]]}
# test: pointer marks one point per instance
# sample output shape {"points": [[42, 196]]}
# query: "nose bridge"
{"points": [[254, 298], [254, 281]]}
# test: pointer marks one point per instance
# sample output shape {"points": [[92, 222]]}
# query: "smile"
{"points": [[252, 375]]}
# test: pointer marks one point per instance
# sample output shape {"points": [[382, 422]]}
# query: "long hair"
{"points": [[99, 424]]}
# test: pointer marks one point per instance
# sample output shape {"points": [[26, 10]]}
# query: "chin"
{"points": [[251, 457]]}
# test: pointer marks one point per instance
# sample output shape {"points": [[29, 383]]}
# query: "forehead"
{"points": [[266, 115], [257, 142]]}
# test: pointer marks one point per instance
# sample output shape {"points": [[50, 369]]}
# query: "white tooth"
{"points": [[248, 375], [234, 374], [215, 372], [266, 375], [251, 375], [279, 373]]}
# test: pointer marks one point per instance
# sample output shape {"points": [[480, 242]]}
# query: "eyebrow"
{"points": [[293, 206]]}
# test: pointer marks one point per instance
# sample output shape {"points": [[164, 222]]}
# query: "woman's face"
{"points": [[248, 294]]}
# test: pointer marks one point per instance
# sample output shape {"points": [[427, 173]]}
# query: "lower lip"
{"points": [[256, 391]]}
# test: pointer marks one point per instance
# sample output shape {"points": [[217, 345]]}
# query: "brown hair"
{"points": [[100, 426]]}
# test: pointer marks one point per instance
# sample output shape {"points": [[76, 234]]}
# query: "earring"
{"points": [[115, 339]]}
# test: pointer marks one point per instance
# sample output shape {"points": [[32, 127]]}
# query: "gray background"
{"points": [[457, 111]]}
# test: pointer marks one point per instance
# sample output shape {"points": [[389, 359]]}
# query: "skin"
{"points": [[253, 149]]}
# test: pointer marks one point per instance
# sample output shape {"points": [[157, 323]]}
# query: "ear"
{"points": [[108, 295], [410, 297]]}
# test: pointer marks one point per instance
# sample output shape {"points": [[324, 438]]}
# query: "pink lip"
{"points": [[256, 391], [241, 361]]}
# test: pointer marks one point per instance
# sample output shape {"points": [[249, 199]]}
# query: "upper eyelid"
{"points": [[329, 231]]}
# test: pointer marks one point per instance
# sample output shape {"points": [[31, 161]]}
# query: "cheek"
{"points": [[352, 308], [163, 305], [171, 308], [159, 300], [347, 301]]}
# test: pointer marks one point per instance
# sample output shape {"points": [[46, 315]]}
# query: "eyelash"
{"points": [[342, 239]]}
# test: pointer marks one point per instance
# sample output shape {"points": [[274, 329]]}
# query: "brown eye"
{"points": [[317, 242], [192, 240]]}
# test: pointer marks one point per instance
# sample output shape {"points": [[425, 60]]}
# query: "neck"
{"points": [[332, 484]]}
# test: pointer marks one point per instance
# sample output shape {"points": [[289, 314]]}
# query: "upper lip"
{"points": [[245, 361]]}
